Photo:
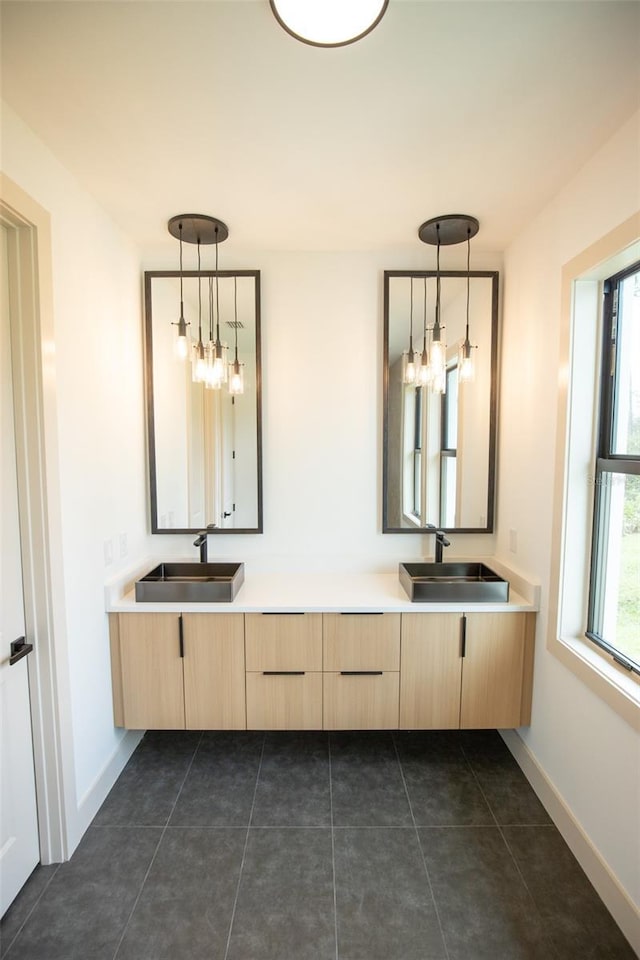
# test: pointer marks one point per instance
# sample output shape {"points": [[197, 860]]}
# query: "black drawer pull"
{"points": [[361, 673], [283, 613], [362, 613], [463, 635], [181, 635], [283, 673]]}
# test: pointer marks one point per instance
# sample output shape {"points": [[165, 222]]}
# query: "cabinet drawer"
{"points": [[283, 641], [361, 641], [284, 701], [361, 701]]}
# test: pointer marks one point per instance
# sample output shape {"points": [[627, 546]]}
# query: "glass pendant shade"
{"points": [[439, 381], [466, 367], [236, 378], [424, 370], [328, 23], [408, 366], [219, 363], [181, 345], [438, 357], [199, 373]]}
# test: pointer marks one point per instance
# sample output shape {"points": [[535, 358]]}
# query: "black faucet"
{"points": [[441, 542], [201, 541]]}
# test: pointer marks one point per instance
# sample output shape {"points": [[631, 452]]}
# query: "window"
{"points": [[449, 449], [614, 596]]}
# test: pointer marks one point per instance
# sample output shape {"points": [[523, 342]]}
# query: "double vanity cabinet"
{"points": [[322, 670]]}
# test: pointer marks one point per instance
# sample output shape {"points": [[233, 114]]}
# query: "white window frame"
{"points": [[579, 365]]}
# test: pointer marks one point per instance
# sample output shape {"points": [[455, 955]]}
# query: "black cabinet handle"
{"points": [[283, 673], [19, 649], [181, 635], [362, 613], [463, 635], [361, 673], [283, 613]]}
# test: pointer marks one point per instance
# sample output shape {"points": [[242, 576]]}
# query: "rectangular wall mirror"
{"points": [[205, 446], [439, 449]]}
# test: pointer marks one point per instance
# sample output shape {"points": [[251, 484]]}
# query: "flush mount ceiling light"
{"points": [[446, 231], [328, 23]]}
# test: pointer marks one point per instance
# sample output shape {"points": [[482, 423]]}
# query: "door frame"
{"points": [[29, 253]]}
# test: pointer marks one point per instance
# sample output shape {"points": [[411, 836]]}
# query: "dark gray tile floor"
{"points": [[315, 846]]}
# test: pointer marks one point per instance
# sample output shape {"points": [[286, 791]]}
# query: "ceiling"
{"points": [[167, 107]]}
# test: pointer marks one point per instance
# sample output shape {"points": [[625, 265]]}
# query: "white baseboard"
{"points": [[608, 887], [99, 789]]}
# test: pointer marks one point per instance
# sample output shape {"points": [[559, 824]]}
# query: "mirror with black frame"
{"points": [[205, 447], [439, 441]]}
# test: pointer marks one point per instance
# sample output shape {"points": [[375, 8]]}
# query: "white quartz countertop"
{"points": [[321, 592]]}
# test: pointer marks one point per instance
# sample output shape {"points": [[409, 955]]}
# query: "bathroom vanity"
{"points": [[322, 651]]}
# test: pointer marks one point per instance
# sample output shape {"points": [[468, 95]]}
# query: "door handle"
{"points": [[19, 649]]}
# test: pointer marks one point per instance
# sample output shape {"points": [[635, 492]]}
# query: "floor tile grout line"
{"points": [[155, 852], [515, 862], [29, 914], [244, 850], [424, 859], [333, 850]]}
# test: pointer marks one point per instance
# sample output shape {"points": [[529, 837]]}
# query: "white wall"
{"points": [[98, 361], [587, 751]]}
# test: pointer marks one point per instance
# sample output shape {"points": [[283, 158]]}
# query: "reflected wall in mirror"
{"points": [[205, 446], [439, 449]]}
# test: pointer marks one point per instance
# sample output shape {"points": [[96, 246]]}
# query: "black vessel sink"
{"points": [[453, 583], [191, 583]]}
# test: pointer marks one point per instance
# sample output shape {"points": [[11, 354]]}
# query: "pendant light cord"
{"points": [[437, 323], [217, 297], [199, 297], [424, 318], [235, 313], [181, 297], [411, 320], [468, 280]]}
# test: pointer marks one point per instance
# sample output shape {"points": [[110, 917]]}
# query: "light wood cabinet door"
{"points": [[361, 641], [497, 670], [151, 676], [214, 680], [284, 701], [283, 641], [361, 701], [431, 671]]}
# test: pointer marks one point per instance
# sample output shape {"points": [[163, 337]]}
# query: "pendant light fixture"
{"points": [[328, 23], [198, 229], [236, 369], [199, 356], [424, 370], [217, 349], [408, 356], [466, 367], [446, 230], [182, 340]]}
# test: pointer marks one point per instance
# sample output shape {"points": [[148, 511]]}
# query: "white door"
{"points": [[19, 844]]}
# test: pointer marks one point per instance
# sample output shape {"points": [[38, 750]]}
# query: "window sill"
{"points": [[615, 685]]}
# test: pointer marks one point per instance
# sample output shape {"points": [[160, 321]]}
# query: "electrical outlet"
{"points": [[108, 552], [172, 518], [163, 521], [513, 541], [124, 548]]}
